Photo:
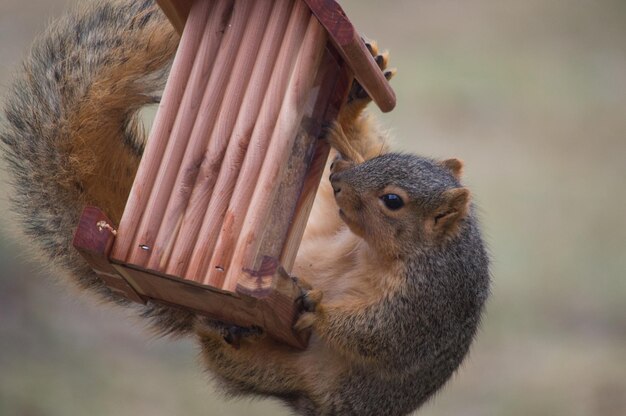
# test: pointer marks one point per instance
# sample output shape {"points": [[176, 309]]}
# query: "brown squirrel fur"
{"points": [[393, 293]]}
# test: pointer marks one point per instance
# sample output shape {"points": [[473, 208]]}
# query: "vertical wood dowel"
{"points": [[200, 136], [254, 129], [197, 174], [298, 94], [161, 129], [253, 160], [262, 36], [215, 32]]}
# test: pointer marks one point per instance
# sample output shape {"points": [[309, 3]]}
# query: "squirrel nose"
{"points": [[335, 182]]}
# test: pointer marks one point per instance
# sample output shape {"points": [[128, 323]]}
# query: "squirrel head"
{"points": [[401, 204]]}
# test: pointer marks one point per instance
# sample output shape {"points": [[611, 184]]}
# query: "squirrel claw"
{"points": [[357, 92], [390, 73], [371, 45], [309, 298], [305, 321], [309, 302]]}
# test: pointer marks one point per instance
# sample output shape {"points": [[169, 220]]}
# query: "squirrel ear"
{"points": [[455, 205], [454, 165]]}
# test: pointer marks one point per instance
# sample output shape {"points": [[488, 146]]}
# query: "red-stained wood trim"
{"points": [[272, 309], [93, 239], [353, 50]]}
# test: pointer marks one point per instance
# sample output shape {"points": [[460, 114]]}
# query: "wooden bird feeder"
{"points": [[232, 165]]}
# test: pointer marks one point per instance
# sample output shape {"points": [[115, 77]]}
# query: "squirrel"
{"points": [[392, 267], [394, 276]]}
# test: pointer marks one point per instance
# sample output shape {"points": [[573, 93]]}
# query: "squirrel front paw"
{"points": [[309, 302], [357, 93], [358, 98]]}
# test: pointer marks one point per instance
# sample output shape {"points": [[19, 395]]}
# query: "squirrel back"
{"points": [[71, 134]]}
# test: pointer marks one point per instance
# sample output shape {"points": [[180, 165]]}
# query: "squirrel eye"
{"points": [[392, 201]]}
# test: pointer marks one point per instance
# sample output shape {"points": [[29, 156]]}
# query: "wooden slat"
{"points": [[276, 312], [246, 180], [352, 48], [246, 79], [205, 90], [159, 135], [284, 134]]}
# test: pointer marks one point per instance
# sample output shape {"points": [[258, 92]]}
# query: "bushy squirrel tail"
{"points": [[72, 135]]}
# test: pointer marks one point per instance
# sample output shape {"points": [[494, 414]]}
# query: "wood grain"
{"points": [[247, 176], [159, 135], [205, 90], [239, 143], [344, 36], [245, 88], [274, 232], [275, 312], [284, 134]]}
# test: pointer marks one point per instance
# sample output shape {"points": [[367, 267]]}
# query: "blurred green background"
{"points": [[532, 96]]}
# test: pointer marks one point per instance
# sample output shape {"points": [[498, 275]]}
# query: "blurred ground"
{"points": [[532, 95]]}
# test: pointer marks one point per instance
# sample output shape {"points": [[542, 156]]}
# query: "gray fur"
{"points": [[419, 335]]}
